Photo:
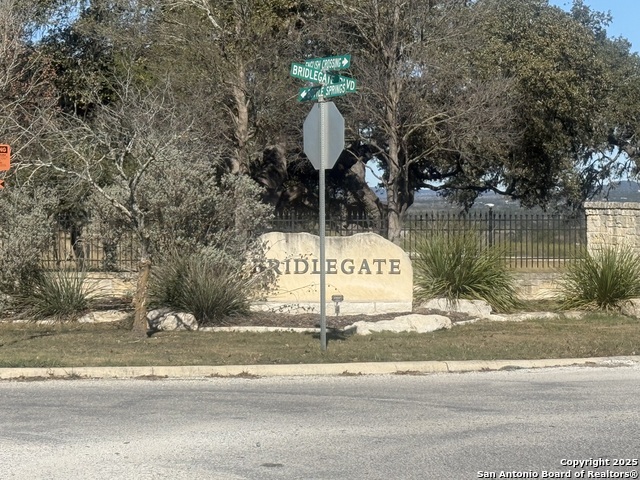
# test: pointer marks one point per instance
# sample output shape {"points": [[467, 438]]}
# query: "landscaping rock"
{"points": [[155, 314], [405, 323], [105, 316], [474, 308], [631, 308], [166, 319], [521, 317]]}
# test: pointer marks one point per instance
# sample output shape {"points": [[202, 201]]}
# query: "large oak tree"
{"points": [[423, 112]]}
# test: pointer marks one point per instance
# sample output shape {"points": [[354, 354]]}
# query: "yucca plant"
{"points": [[61, 295], [458, 266], [167, 277], [199, 285], [601, 279]]}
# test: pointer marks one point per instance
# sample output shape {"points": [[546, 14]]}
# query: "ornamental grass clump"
{"points": [[601, 279], [197, 284], [62, 295], [458, 266]]}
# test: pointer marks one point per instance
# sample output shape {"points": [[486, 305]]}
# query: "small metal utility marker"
{"points": [[337, 299]]}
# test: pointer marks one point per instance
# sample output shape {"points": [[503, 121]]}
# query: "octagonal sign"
{"points": [[333, 134]]}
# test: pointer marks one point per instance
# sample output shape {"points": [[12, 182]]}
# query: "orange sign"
{"points": [[5, 157]]}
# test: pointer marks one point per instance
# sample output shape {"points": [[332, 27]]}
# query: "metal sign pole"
{"points": [[323, 147], [324, 154]]}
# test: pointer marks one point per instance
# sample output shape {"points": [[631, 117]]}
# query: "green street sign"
{"points": [[339, 62], [327, 91], [308, 93], [303, 72], [321, 72]]}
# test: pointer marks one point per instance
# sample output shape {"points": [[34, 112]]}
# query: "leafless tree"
{"points": [[114, 151], [26, 92]]}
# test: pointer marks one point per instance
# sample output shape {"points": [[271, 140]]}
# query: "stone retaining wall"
{"points": [[529, 285], [613, 223], [112, 284], [536, 286]]}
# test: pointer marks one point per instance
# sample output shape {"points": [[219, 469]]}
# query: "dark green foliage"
{"points": [[195, 283], [602, 279], [458, 266], [61, 295]]}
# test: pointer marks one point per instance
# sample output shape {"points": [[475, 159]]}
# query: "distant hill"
{"points": [[626, 191]]}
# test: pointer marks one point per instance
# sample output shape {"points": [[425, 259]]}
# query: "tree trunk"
{"points": [[395, 180], [271, 173], [240, 164], [399, 199], [394, 215], [77, 245], [140, 327]]}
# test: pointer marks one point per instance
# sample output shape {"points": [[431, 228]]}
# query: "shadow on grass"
{"points": [[333, 334], [28, 337]]}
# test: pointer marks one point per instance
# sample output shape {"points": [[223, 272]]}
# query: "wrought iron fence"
{"points": [[292, 221], [527, 240], [93, 252]]}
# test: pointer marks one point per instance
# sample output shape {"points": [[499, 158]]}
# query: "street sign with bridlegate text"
{"points": [[298, 70]]}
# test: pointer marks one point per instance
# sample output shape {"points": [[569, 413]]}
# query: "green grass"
{"points": [[66, 345]]}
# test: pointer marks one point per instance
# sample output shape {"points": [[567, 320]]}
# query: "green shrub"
{"points": [[61, 295], [458, 266], [25, 230], [197, 284], [601, 280]]}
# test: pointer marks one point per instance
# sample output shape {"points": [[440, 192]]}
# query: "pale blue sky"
{"points": [[626, 17]]}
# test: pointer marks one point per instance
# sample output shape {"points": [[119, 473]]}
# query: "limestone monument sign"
{"points": [[369, 273]]}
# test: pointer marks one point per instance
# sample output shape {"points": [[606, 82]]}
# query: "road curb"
{"points": [[254, 371]]}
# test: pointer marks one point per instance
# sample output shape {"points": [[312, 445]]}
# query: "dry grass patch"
{"points": [[28, 345]]}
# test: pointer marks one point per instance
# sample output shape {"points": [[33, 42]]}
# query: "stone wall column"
{"points": [[613, 224]]}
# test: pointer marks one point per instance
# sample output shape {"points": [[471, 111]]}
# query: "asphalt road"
{"points": [[444, 426]]}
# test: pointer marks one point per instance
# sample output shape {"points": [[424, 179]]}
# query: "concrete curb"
{"points": [[250, 371]]}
